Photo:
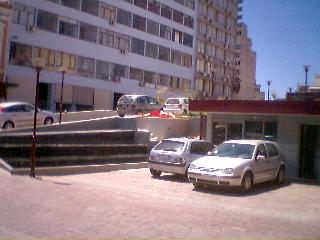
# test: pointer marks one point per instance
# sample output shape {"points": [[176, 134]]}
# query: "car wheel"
{"points": [[121, 114], [48, 120], [8, 125], [246, 183], [155, 173], [281, 176]]}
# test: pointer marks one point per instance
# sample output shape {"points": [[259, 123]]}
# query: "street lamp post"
{"points": [[38, 65], [268, 82], [306, 69], [63, 71]]}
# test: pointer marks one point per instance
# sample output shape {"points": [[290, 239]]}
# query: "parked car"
{"points": [[137, 104], [174, 155], [21, 114], [177, 106], [239, 163]]}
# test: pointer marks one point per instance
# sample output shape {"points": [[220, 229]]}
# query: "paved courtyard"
{"points": [[131, 204]]}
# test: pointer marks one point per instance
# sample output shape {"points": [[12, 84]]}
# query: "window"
{"points": [[262, 151], [85, 66], [88, 32], [164, 54], [104, 70], [105, 37], [165, 32], [124, 17], [178, 16], [149, 77], [270, 131], [23, 15], [188, 21], [200, 148], [141, 3], [20, 54], [71, 3], [47, 21], [253, 129], [174, 82], [137, 46], [176, 57], [90, 6], [272, 150], [139, 23], [67, 60], [47, 55], [164, 80], [136, 74], [120, 71], [187, 40], [152, 27], [107, 12], [176, 36], [121, 42], [154, 6], [151, 50], [68, 27], [187, 60], [166, 11]]}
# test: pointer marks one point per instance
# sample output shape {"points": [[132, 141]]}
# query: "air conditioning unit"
{"points": [[123, 51], [30, 28], [112, 22]]}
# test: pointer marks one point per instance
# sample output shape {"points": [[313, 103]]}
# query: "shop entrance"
{"points": [[310, 152]]}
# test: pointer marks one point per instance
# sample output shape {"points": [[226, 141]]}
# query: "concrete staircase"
{"points": [[86, 151]]}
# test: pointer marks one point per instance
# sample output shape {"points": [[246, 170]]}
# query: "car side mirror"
{"points": [[260, 158]]}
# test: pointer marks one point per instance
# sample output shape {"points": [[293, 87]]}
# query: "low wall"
{"points": [[85, 115]]}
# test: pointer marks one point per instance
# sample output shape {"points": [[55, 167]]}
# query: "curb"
{"points": [[69, 170]]}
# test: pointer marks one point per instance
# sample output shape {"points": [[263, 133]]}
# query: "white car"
{"points": [[174, 155], [21, 114], [177, 106], [239, 163]]}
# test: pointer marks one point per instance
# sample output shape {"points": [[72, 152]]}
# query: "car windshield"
{"points": [[234, 150], [172, 146]]}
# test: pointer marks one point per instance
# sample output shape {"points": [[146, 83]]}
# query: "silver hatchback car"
{"points": [[21, 114], [239, 163], [137, 104], [174, 155]]}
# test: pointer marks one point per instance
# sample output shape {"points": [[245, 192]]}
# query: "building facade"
{"points": [[5, 14], [109, 48], [247, 89]]}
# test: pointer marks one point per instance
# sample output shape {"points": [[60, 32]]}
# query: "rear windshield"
{"points": [[172, 146], [126, 99], [172, 101]]}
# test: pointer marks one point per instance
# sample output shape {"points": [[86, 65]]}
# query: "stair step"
{"points": [[24, 150], [23, 162]]}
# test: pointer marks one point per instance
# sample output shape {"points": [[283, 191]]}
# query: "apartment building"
{"points": [[5, 13], [216, 73], [246, 89], [106, 47]]}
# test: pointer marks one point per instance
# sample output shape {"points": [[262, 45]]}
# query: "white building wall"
{"points": [[55, 41]]}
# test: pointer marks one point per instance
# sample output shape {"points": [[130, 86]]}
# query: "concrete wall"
{"points": [[289, 134]]}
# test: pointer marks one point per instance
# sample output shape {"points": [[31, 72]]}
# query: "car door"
{"points": [[28, 114], [153, 104], [261, 164], [274, 160]]}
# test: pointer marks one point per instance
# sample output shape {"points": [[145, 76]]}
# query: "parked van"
{"points": [[137, 104]]}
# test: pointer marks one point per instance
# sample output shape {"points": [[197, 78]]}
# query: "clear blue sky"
{"points": [[285, 35]]}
